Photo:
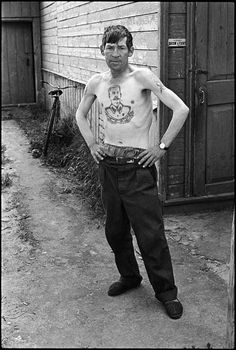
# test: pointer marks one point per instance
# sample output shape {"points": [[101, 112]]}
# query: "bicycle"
{"points": [[54, 114]]}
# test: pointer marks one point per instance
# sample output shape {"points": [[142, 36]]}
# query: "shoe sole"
{"points": [[124, 291], [175, 317]]}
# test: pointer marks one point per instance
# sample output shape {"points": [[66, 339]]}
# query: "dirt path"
{"points": [[57, 267]]}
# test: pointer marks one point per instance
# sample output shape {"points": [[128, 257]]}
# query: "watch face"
{"points": [[162, 145]]}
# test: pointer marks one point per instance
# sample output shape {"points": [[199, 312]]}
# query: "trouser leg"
{"points": [[145, 213], [117, 227]]}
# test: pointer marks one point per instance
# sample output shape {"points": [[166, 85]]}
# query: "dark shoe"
{"points": [[174, 308], [120, 287]]}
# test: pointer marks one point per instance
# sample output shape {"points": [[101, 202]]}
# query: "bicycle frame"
{"points": [[55, 113], [53, 120], [56, 107]]}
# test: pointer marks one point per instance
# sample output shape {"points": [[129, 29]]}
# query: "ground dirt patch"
{"points": [[57, 266], [68, 152]]}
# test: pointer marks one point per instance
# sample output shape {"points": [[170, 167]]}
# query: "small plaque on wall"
{"points": [[176, 42]]}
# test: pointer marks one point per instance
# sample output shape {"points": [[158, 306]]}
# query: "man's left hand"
{"points": [[150, 156]]}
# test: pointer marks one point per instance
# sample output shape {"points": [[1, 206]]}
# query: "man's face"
{"points": [[115, 96], [117, 54]]}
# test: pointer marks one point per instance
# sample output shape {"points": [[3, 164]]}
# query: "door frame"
{"points": [[190, 101], [189, 81], [36, 43], [200, 111]]}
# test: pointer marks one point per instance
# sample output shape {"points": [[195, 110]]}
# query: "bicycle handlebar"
{"points": [[58, 87]]}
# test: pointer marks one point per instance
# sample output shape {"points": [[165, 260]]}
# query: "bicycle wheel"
{"points": [[49, 131]]}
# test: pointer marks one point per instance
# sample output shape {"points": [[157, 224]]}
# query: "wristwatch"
{"points": [[163, 146]]}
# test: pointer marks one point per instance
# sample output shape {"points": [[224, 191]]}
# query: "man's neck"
{"points": [[120, 74]]}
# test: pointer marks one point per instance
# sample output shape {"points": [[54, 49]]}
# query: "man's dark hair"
{"points": [[113, 34]]}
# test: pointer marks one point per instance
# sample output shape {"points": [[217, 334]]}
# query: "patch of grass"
{"points": [[67, 152], [3, 150], [3, 155], [34, 125], [6, 180]]}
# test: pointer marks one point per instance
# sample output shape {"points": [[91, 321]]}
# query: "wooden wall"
{"points": [[20, 9], [27, 11], [72, 33], [174, 70], [70, 101]]}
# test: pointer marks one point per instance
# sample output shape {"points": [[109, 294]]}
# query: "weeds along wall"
{"points": [[71, 33], [69, 102]]}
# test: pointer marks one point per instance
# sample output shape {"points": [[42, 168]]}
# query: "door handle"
{"points": [[202, 96], [198, 71]]}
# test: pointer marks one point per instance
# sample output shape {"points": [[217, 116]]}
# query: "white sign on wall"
{"points": [[176, 42]]}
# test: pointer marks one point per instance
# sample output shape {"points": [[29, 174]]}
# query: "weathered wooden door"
{"points": [[17, 63], [214, 98]]}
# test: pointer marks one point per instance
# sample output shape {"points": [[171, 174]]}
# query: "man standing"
{"points": [[127, 165]]}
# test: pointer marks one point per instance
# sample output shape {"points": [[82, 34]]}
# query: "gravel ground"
{"points": [[57, 267]]}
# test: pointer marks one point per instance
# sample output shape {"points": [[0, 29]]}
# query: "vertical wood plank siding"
{"points": [[175, 181], [19, 9], [19, 12], [72, 32]]}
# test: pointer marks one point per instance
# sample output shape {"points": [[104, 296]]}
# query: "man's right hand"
{"points": [[97, 152]]}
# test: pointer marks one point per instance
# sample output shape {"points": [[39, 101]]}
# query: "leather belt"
{"points": [[122, 160]]}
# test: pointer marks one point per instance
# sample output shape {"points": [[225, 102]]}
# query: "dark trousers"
{"points": [[130, 198]]}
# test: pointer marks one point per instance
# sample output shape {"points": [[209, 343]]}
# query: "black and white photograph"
{"points": [[117, 175]]}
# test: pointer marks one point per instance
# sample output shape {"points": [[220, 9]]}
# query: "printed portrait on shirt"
{"points": [[117, 112]]}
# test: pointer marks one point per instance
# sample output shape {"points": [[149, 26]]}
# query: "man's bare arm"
{"points": [[83, 124], [179, 108], [180, 113]]}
